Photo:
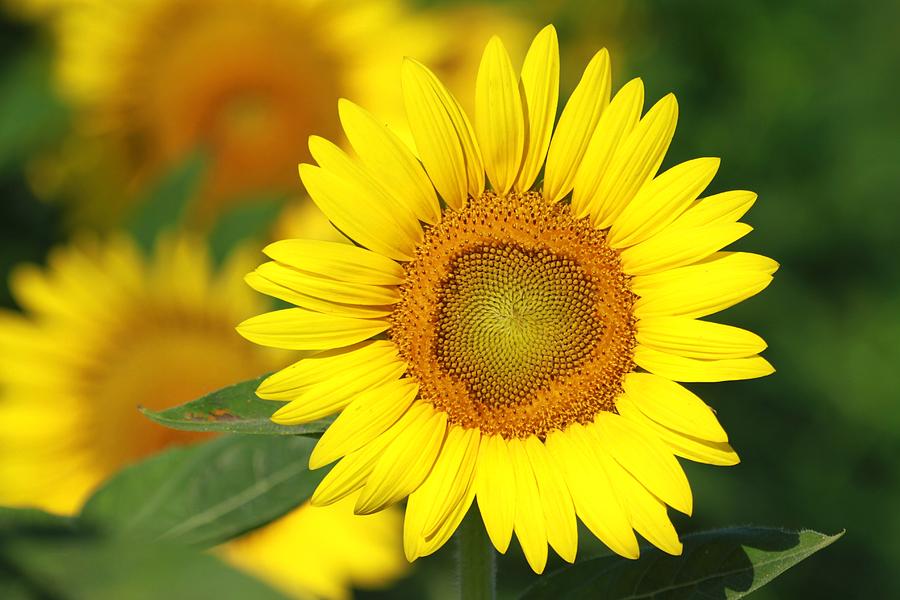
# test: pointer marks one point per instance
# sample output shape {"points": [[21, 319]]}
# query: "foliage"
{"points": [[233, 409]]}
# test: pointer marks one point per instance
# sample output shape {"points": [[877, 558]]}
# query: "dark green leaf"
{"points": [[233, 409], [92, 568], [31, 114], [16, 520], [165, 205], [720, 564], [249, 219], [207, 493]]}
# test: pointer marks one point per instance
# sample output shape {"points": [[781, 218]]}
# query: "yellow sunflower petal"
{"points": [[646, 458], [301, 329], [679, 246], [351, 472], [431, 544], [495, 486], [368, 192], [679, 368], [596, 502], [576, 126], [333, 394], [443, 135], [635, 161], [698, 339], [367, 416], [269, 287], [661, 200], [328, 289], [343, 262], [291, 381], [685, 446], [405, 463], [530, 526], [499, 122], [673, 406], [726, 207], [373, 228], [540, 91], [704, 288], [616, 122], [390, 162], [647, 512], [450, 479], [559, 512]]}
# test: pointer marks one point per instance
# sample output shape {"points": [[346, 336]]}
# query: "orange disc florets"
{"points": [[516, 318]]}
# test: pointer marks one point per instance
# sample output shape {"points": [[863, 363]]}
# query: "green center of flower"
{"points": [[511, 320]]}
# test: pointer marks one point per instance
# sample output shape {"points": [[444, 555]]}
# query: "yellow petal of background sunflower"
{"points": [[406, 462], [443, 135], [291, 381], [343, 262], [685, 446], [539, 84], [679, 368], [301, 329], [596, 502], [576, 126], [616, 122], [726, 207], [499, 122], [704, 288], [661, 200], [559, 512], [635, 161], [367, 416], [495, 486], [530, 526], [646, 458], [698, 339], [390, 161], [673, 406], [373, 228], [679, 246]]}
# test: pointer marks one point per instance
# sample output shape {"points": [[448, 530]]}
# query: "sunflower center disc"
{"points": [[516, 317], [510, 320]]}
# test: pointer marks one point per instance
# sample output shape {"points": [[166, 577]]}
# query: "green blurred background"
{"points": [[801, 101]]}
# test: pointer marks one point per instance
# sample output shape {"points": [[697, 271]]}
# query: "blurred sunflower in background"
{"points": [[152, 80], [518, 343], [105, 330]]}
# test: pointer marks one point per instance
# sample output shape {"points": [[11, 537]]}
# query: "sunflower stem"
{"points": [[476, 560]]}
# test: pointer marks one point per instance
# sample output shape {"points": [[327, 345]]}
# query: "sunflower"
{"points": [[105, 330], [520, 343], [152, 80]]}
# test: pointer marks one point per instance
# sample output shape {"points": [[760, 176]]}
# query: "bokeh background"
{"points": [[800, 100]]}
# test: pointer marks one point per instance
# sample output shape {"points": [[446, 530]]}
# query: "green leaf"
{"points": [[233, 409], [89, 567], [31, 114], [249, 219], [722, 564], [165, 205], [15, 520], [208, 493]]}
